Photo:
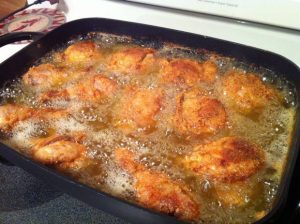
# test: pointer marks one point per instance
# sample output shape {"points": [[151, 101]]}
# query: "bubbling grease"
{"points": [[160, 148]]}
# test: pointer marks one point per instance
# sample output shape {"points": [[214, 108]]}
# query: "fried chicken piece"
{"points": [[187, 72], [46, 76], [197, 114], [137, 109], [58, 148], [210, 70], [157, 191], [50, 150], [246, 93], [134, 60], [54, 95], [10, 114], [93, 89], [76, 165], [228, 159], [84, 169], [49, 114], [83, 52], [234, 194]]}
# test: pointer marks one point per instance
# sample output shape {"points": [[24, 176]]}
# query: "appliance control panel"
{"points": [[283, 13]]}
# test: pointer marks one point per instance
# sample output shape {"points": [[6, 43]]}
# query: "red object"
{"points": [[33, 20]]}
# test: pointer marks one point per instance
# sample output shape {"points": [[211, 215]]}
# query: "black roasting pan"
{"points": [[16, 65]]}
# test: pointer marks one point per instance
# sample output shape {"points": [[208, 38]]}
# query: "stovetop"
{"points": [[26, 200]]}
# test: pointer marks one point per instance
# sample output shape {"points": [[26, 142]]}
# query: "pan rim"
{"points": [[293, 149]]}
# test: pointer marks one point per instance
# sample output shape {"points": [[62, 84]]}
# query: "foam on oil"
{"points": [[160, 149]]}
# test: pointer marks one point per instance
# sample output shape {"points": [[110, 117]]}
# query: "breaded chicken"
{"points": [[134, 60], [138, 108], [10, 114], [197, 114], [46, 76], [210, 70], [54, 96], [187, 72], [49, 114], [83, 52], [246, 93], [58, 148], [157, 191], [76, 165], [234, 194], [228, 159], [93, 89]]}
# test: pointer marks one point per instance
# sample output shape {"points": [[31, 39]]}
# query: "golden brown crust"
{"points": [[10, 114], [93, 89], [210, 71], [187, 72], [44, 76], [83, 52], [53, 95], [228, 159], [58, 148], [197, 114], [246, 93], [234, 194], [157, 191], [134, 60], [138, 109]]}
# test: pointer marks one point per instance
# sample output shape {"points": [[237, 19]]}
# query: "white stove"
{"points": [[285, 42]]}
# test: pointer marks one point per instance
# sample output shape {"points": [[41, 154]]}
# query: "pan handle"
{"points": [[18, 36], [11, 38]]}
